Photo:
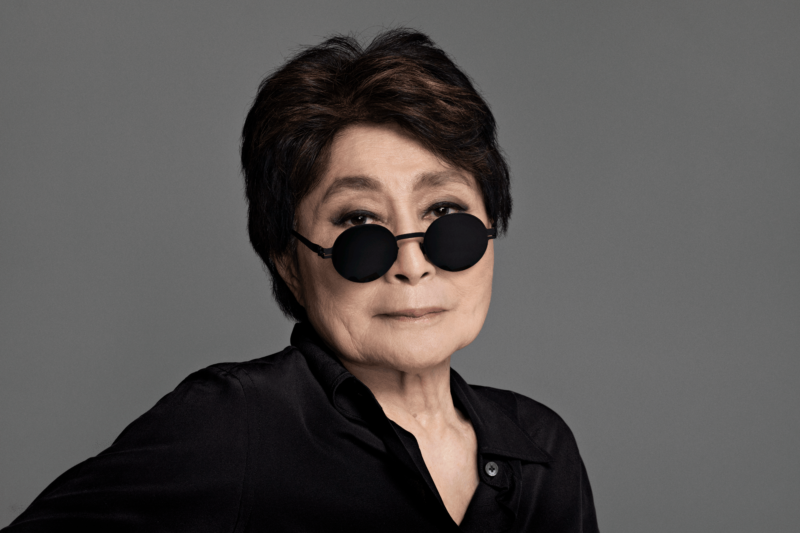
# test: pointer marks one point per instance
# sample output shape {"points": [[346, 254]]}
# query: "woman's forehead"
{"points": [[378, 159]]}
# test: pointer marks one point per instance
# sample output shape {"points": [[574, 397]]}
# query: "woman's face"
{"points": [[379, 175]]}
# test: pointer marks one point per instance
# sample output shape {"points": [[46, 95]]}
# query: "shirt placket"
{"points": [[401, 445]]}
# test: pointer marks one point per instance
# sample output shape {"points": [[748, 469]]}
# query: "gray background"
{"points": [[648, 290]]}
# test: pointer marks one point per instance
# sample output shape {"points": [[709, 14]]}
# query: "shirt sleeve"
{"points": [[178, 467]]}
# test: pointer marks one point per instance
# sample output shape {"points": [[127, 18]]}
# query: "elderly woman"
{"points": [[375, 189]]}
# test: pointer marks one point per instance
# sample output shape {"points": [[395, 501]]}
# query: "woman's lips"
{"points": [[414, 313]]}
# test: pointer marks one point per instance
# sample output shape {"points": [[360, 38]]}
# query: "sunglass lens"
{"points": [[456, 242], [364, 253]]}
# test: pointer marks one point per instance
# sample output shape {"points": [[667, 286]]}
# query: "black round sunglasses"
{"points": [[366, 252]]}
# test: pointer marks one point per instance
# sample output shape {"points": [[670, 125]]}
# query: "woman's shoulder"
{"points": [[219, 377], [180, 466], [281, 378], [220, 393]]}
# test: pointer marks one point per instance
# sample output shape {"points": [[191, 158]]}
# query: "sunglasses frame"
{"points": [[327, 253]]}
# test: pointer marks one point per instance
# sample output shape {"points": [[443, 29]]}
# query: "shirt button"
{"points": [[491, 468]]}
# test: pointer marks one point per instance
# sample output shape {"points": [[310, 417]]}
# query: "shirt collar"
{"points": [[497, 432]]}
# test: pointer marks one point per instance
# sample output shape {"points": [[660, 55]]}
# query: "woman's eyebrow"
{"points": [[351, 183], [426, 180]]}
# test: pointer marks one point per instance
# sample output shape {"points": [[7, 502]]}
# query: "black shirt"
{"points": [[293, 442]]}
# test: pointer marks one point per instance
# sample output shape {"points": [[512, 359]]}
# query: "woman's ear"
{"points": [[287, 268]]}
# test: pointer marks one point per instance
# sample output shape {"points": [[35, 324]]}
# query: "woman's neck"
{"points": [[418, 398]]}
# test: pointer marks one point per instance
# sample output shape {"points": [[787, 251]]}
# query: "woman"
{"points": [[375, 190]]}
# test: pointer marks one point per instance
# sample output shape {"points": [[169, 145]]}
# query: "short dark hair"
{"points": [[400, 78]]}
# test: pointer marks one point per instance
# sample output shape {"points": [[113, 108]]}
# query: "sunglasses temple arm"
{"points": [[324, 253]]}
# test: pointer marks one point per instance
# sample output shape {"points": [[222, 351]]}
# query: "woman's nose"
{"points": [[411, 265]]}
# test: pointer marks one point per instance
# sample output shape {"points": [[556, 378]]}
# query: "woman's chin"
{"points": [[408, 350]]}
